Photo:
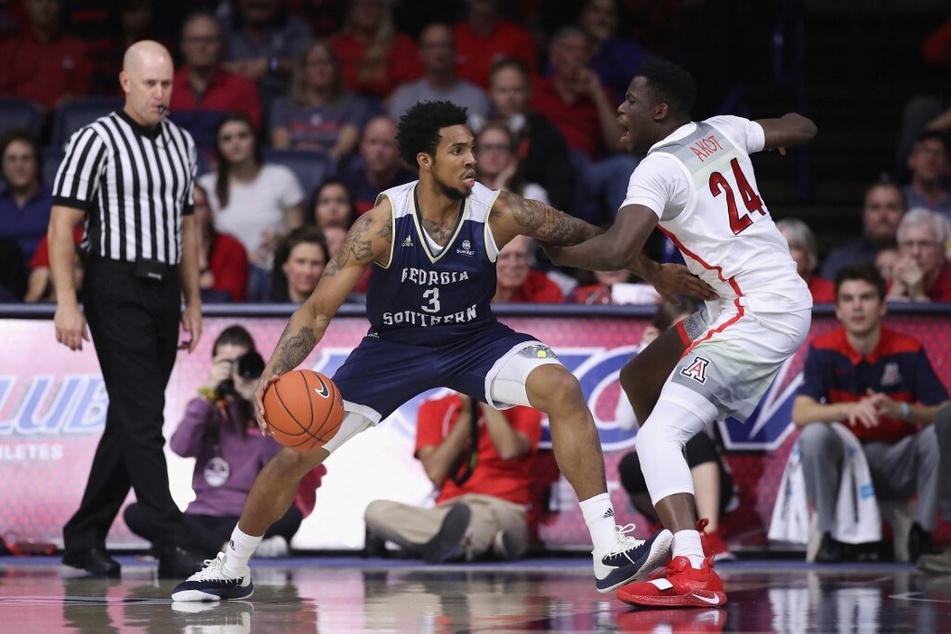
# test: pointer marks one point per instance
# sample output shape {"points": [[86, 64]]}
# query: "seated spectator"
{"points": [[437, 53], [25, 204], [263, 44], [378, 166], [375, 57], [517, 281], [325, 17], [585, 113], [222, 260], [541, 148], [481, 461], [606, 288], [203, 92], [44, 64], [802, 248], [258, 203], [922, 272], [298, 265], [498, 165], [711, 477], [318, 114], [218, 430], [485, 37], [613, 58], [882, 210], [929, 163], [39, 286], [12, 273], [333, 206], [126, 23], [885, 261], [880, 386]]}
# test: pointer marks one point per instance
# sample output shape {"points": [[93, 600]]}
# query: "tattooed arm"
{"points": [[368, 241], [570, 241]]}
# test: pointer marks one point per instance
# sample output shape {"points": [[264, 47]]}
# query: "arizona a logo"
{"points": [[697, 370]]}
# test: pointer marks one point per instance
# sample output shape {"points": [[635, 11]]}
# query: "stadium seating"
{"points": [[76, 113], [19, 113]]}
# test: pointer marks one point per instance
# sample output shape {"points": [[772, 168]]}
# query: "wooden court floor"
{"points": [[349, 594]]}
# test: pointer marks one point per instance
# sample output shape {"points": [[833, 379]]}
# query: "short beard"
{"points": [[450, 193]]}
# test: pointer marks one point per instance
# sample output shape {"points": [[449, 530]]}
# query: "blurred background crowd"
{"points": [[293, 105]]}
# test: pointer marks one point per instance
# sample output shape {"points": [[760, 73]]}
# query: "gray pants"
{"points": [[411, 526], [915, 465]]}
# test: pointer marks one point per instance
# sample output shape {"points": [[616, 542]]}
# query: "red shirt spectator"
{"points": [[517, 281], [228, 264], [226, 92], [577, 120], [506, 479], [823, 290], [47, 71], [400, 65], [477, 52]]}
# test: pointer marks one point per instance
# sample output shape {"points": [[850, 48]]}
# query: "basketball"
{"points": [[304, 409]]}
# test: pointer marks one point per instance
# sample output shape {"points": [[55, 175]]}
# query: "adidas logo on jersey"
{"points": [[408, 242]]}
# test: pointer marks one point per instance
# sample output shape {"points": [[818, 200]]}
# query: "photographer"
{"points": [[219, 431]]}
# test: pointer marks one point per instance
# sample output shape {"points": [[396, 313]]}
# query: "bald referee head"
{"points": [[146, 79]]}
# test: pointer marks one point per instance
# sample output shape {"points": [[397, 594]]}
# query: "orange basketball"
{"points": [[304, 409]]}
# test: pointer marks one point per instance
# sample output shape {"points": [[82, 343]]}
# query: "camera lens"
{"points": [[249, 366]]}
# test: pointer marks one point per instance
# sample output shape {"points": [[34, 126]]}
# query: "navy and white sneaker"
{"points": [[211, 583], [632, 559]]}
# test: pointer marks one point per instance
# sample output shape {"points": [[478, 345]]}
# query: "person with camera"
{"points": [[219, 431]]}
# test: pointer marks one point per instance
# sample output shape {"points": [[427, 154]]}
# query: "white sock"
{"points": [[239, 551], [599, 516], [687, 544]]}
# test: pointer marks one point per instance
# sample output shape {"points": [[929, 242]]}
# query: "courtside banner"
{"points": [[53, 407]]}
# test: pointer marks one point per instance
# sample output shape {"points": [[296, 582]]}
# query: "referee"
{"points": [[129, 177]]}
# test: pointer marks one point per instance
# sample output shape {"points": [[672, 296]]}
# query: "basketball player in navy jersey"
{"points": [[433, 244]]}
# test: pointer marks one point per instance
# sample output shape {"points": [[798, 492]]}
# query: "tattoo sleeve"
{"points": [[545, 223], [294, 347], [357, 245]]}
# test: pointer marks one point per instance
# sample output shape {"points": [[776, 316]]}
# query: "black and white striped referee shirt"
{"points": [[133, 182]]}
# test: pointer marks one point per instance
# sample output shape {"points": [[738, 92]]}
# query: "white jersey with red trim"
{"points": [[699, 181]]}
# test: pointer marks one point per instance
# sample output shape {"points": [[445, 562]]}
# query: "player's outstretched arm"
{"points": [[513, 215], [368, 240], [789, 130]]}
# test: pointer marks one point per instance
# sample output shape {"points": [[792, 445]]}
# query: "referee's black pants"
{"points": [[134, 325]]}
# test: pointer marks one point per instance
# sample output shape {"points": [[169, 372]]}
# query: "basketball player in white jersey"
{"points": [[697, 185]]}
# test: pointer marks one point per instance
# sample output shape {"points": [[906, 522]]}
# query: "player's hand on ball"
{"points": [[263, 384]]}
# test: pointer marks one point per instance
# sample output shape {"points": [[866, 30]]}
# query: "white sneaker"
{"points": [[272, 547], [631, 558], [212, 583]]}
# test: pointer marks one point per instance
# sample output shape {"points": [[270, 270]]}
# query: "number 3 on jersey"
{"points": [[720, 185]]}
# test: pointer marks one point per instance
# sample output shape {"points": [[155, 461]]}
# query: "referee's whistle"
{"points": [[163, 108]]}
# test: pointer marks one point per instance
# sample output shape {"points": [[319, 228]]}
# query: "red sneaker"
{"points": [[679, 584], [713, 544], [672, 621]]}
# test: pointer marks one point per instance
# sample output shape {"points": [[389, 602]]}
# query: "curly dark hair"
{"points": [[670, 84], [419, 128]]}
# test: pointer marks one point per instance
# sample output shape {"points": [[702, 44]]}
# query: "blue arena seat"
{"points": [[52, 157], [76, 113], [311, 168], [19, 113]]}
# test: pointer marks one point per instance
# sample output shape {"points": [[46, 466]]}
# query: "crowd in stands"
{"points": [[284, 96]]}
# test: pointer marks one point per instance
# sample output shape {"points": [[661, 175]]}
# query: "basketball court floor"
{"points": [[350, 594]]}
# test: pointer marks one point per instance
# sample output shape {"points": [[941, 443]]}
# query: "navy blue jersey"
{"points": [[428, 299]]}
